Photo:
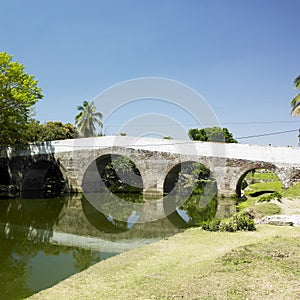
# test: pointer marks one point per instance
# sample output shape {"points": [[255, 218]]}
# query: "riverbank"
{"points": [[196, 265]]}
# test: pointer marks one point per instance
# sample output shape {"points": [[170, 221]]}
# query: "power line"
{"points": [[266, 134], [196, 124]]}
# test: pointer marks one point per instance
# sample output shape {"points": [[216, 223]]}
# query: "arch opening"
{"points": [[192, 194], [258, 181], [43, 179], [115, 173], [4, 176], [6, 190]]}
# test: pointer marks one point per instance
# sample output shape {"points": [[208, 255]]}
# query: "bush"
{"points": [[213, 225], [229, 226], [236, 223], [275, 195], [244, 222]]}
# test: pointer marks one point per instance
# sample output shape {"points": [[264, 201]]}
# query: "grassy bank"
{"points": [[196, 264], [261, 189]]}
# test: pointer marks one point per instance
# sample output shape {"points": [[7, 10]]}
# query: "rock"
{"points": [[280, 220]]}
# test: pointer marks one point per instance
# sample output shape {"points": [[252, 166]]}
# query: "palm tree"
{"points": [[295, 103], [87, 118]]}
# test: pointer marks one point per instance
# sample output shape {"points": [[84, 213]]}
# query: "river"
{"points": [[43, 241]]}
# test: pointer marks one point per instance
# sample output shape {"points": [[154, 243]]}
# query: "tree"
{"points": [[18, 94], [295, 103], [87, 118], [211, 134], [49, 131]]}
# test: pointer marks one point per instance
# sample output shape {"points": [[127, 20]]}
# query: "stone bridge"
{"points": [[79, 162]]}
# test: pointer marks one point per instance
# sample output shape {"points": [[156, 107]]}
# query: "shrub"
{"points": [[213, 225], [236, 223], [275, 195], [230, 226], [244, 222]]}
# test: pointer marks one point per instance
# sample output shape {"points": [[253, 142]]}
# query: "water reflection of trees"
{"points": [[84, 258], [194, 194], [13, 268], [110, 223], [25, 229], [195, 210]]}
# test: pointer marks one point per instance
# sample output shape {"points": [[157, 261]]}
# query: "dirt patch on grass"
{"points": [[195, 265], [289, 206]]}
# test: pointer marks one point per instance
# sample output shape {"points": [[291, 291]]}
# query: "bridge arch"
{"points": [[112, 167], [257, 166], [43, 178], [188, 167], [197, 202]]}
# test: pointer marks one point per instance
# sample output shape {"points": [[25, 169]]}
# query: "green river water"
{"points": [[43, 241]]}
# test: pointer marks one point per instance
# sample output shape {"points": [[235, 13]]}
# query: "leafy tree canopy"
{"points": [[211, 134], [18, 94], [49, 131]]}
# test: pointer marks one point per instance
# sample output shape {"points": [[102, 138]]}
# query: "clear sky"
{"points": [[241, 56]]}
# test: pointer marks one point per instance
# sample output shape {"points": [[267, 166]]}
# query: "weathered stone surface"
{"points": [[281, 220], [155, 158]]}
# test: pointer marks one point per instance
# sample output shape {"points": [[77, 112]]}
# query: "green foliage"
{"points": [[49, 131], [18, 94], [167, 138], [268, 198], [260, 182], [244, 222], [211, 134], [260, 175], [194, 179], [295, 103], [119, 169], [236, 223], [213, 225], [196, 176], [87, 119], [200, 209], [261, 186]]}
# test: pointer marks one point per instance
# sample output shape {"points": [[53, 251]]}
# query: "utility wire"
{"points": [[195, 124], [266, 134]]}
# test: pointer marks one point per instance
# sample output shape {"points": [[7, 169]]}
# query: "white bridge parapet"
{"points": [[274, 154]]}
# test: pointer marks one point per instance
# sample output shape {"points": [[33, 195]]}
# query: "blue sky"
{"points": [[241, 56]]}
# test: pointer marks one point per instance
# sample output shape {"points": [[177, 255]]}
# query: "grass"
{"points": [[291, 192], [260, 210], [266, 176], [256, 192], [269, 181], [196, 265]]}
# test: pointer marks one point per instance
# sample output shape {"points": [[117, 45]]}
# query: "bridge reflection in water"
{"points": [[43, 241]]}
